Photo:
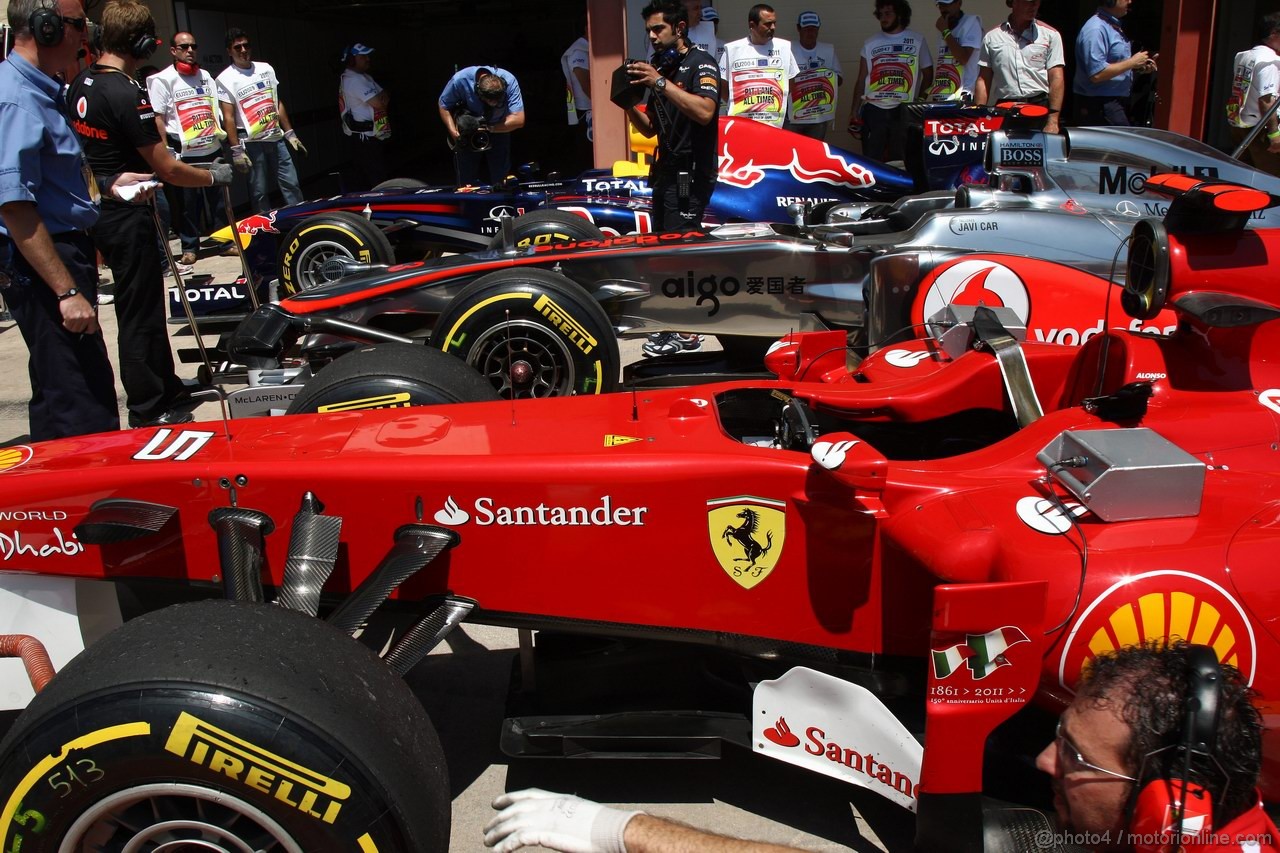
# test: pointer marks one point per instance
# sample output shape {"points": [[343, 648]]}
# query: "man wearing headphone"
{"points": [[1145, 720], [118, 131], [1105, 65], [47, 263]]}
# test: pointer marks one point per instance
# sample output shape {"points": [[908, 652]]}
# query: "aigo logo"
{"points": [[975, 282], [1160, 605]]}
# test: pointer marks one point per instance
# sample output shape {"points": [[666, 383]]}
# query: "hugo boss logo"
{"points": [[708, 289]]}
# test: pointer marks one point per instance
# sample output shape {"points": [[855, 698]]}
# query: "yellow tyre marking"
{"points": [[46, 764], [366, 844], [305, 231], [474, 308], [383, 401]]}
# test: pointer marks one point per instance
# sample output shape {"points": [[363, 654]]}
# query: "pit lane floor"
{"points": [[463, 685]]}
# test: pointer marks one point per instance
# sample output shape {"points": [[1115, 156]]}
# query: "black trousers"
{"points": [[884, 133], [73, 389], [126, 236], [370, 156], [670, 212], [1097, 111]]}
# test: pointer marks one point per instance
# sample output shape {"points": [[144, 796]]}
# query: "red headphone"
{"points": [[1178, 802]]}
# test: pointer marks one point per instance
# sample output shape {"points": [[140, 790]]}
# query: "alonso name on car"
{"points": [[1148, 376], [179, 447], [1271, 399], [1118, 180], [304, 789], [63, 545], [1046, 516], [488, 512]]}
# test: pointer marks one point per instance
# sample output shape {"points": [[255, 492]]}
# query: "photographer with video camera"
{"points": [[480, 107]]}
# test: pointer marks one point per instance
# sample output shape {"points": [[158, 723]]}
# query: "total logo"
{"points": [[976, 282], [487, 512]]}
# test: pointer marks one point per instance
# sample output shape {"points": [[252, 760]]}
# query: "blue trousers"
{"points": [[272, 158]]}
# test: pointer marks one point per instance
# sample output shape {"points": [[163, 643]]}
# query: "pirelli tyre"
{"points": [[531, 333], [323, 237], [388, 376], [546, 227], [224, 725]]}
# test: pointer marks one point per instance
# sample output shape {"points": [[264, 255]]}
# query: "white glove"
{"points": [[240, 159], [536, 818], [294, 142]]}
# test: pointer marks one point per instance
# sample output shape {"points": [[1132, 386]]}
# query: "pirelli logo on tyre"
{"points": [[565, 324], [222, 752]]}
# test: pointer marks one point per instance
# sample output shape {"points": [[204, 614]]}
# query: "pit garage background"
{"points": [[419, 44]]}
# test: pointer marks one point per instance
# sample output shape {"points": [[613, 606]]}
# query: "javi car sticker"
{"points": [[839, 729], [976, 282], [747, 535], [14, 457], [1160, 605]]}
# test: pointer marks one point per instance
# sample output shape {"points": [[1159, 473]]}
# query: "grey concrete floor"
{"points": [[463, 687]]}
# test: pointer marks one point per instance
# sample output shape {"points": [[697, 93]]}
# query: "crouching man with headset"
{"points": [[1152, 727]]}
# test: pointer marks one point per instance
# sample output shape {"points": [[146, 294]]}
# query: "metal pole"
{"points": [[1255, 130], [235, 235], [182, 287]]}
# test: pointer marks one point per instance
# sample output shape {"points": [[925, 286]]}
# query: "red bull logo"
{"points": [[749, 149], [258, 222]]}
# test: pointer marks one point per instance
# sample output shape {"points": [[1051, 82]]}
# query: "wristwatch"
{"points": [[62, 297], [660, 84]]}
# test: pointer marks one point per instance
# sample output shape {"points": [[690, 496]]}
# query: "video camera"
{"points": [[473, 133]]}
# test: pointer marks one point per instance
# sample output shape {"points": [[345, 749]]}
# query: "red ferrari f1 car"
{"points": [[862, 576]]}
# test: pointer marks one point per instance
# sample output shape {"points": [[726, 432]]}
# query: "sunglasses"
{"points": [[1071, 761], [239, 47], [190, 46], [78, 23]]}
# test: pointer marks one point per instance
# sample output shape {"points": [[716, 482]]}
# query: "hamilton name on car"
{"points": [[603, 514]]}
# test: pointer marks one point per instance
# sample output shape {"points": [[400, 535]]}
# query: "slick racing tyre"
{"points": [[323, 237], [401, 184], [224, 725], [531, 333], [389, 376], [546, 227]]}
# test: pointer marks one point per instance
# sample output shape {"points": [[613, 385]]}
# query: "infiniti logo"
{"points": [[944, 147]]}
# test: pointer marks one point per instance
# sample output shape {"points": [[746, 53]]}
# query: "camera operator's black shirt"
{"points": [[111, 114], [683, 144]]}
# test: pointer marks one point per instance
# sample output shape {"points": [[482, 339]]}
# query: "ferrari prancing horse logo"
{"points": [[747, 534]]}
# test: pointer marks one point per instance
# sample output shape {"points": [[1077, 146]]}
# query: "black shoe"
{"points": [[173, 417]]}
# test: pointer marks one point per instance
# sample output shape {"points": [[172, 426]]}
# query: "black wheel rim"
{"points": [[523, 359]]}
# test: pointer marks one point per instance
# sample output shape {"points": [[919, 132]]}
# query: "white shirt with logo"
{"points": [[188, 103], [814, 91], [1256, 75], [759, 78], [951, 77], [254, 92], [576, 98], [894, 64], [354, 93], [1020, 62]]}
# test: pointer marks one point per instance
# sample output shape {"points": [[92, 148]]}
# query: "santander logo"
{"points": [[781, 734]]}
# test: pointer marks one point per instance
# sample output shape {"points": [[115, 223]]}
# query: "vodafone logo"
{"points": [[976, 282], [1044, 516], [905, 358], [82, 107], [1271, 399]]}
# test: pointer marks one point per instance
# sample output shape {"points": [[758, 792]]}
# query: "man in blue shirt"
{"points": [[490, 97], [1105, 65], [46, 257]]}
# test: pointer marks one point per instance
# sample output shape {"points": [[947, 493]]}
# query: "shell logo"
{"points": [[974, 282], [1160, 605], [14, 457]]}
